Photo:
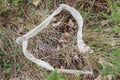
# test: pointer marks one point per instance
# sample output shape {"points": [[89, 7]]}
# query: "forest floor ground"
{"points": [[101, 31]]}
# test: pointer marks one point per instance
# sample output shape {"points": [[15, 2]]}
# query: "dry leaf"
{"points": [[58, 47], [109, 77], [93, 37], [103, 62], [71, 78], [99, 78], [35, 2], [113, 44], [76, 57], [104, 22], [70, 23], [56, 24], [65, 37], [62, 67]]}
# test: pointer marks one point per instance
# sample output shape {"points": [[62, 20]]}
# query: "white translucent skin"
{"points": [[81, 45]]}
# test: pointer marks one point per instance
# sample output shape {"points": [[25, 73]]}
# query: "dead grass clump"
{"points": [[55, 44]]}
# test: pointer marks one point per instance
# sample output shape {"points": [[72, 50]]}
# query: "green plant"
{"points": [[6, 71], [6, 65], [79, 77], [7, 5], [54, 76], [1, 1], [1, 36], [14, 2], [49, 6], [9, 2], [112, 59], [116, 29], [115, 11], [113, 63], [108, 70], [1, 52]]}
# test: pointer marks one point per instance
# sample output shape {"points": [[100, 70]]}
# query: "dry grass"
{"points": [[47, 46]]}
